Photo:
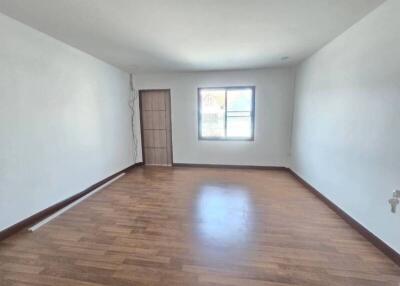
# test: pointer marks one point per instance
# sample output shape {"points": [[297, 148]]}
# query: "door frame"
{"points": [[141, 91]]}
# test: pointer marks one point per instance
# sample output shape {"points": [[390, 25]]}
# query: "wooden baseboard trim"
{"points": [[376, 241], [54, 208], [221, 166]]}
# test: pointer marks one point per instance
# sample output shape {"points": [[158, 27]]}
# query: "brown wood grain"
{"points": [[54, 208], [197, 226], [156, 127]]}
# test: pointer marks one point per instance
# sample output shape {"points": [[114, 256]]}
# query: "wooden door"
{"points": [[155, 111]]}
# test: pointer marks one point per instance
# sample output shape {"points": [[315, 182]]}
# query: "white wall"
{"points": [[273, 116], [346, 139], [64, 121]]}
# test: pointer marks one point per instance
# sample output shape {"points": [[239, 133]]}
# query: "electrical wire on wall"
{"points": [[132, 104]]}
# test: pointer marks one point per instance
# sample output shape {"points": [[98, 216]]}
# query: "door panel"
{"points": [[158, 120], [160, 139], [158, 101], [148, 138], [156, 127], [146, 103], [147, 117]]}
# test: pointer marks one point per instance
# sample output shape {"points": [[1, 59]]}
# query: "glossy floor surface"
{"points": [[197, 226]]}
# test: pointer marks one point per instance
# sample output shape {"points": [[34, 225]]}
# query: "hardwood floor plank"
{"points": [[197, 226]]}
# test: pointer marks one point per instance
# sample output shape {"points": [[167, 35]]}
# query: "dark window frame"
{"points": [[225, 138]]}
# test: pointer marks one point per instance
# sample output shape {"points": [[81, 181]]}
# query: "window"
{"points": [[226, 113]]}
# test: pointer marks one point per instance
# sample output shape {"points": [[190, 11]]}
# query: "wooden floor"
{"points": [[197, 226]]}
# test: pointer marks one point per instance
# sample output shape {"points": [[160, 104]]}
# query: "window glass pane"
{"points": [[212, 112], [239, 127], [239, 99], [239, 113]]}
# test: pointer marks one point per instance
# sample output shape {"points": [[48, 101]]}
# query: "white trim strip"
{"points": [[56, 214]]}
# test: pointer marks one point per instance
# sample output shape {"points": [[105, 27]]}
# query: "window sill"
{"points": [[225, 139]]}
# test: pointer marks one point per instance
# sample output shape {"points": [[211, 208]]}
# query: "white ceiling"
{"points": [[190, 35]]}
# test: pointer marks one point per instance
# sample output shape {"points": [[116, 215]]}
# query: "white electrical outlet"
{"points": [[395, 200], [393, 203]]}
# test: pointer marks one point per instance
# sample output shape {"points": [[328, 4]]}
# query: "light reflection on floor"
{"points": [[224, 215]]}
